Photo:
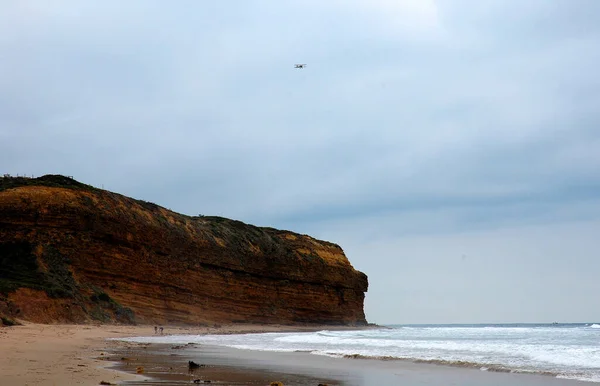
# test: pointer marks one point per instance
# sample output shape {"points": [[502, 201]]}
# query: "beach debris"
{"points": [[193, 365], [276, 384], [139, 370], [177, 347], [323, 384], [106, 383]]}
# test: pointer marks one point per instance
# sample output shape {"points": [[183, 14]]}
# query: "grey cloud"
{"points": [[483, 116]]}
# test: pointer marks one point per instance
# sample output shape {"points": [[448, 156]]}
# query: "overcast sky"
{"points": [[452, 148]]}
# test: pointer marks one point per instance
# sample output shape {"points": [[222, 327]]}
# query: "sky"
{"points": [[451, 148]]}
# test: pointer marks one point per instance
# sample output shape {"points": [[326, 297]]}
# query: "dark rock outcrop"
{"points": [[72, 253]]}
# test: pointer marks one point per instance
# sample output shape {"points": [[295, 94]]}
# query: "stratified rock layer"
{"points": [[73, 253]]}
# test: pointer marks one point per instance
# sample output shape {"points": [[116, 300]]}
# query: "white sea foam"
{"points": [[567, 351]]}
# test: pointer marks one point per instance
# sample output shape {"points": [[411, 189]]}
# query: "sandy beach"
{"points": [[36, 354]]}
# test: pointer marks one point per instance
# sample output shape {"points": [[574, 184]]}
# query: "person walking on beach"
{"points": [[155, 330], [161, 330]]}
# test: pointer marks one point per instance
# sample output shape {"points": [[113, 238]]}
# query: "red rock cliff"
{"points": [[73, 253]]}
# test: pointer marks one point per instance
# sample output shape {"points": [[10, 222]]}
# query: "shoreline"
{"points": [[230, 366], [37, 354]]}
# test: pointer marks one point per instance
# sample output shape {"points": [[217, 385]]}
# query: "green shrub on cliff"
{"points": [[20, 269], [5, 321]]}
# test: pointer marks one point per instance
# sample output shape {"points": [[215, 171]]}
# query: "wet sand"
{"points": [[167, 366]]}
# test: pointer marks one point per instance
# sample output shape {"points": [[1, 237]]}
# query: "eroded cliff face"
{"points": [[73, 253]]}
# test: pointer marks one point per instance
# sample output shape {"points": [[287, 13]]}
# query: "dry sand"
{"points": [[35, 354], [57, 355]]}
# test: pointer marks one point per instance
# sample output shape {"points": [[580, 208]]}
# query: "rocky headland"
{"points": [[73, 253]]}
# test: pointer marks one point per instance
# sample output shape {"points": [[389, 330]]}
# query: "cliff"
{"points": [[70, 252]]}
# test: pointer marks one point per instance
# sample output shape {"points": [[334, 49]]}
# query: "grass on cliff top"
{"points": [[50, 180], [58, 181], [253, 230], [224, 225]]}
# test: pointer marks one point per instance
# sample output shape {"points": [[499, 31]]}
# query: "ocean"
{"points": [[570, 351]]}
